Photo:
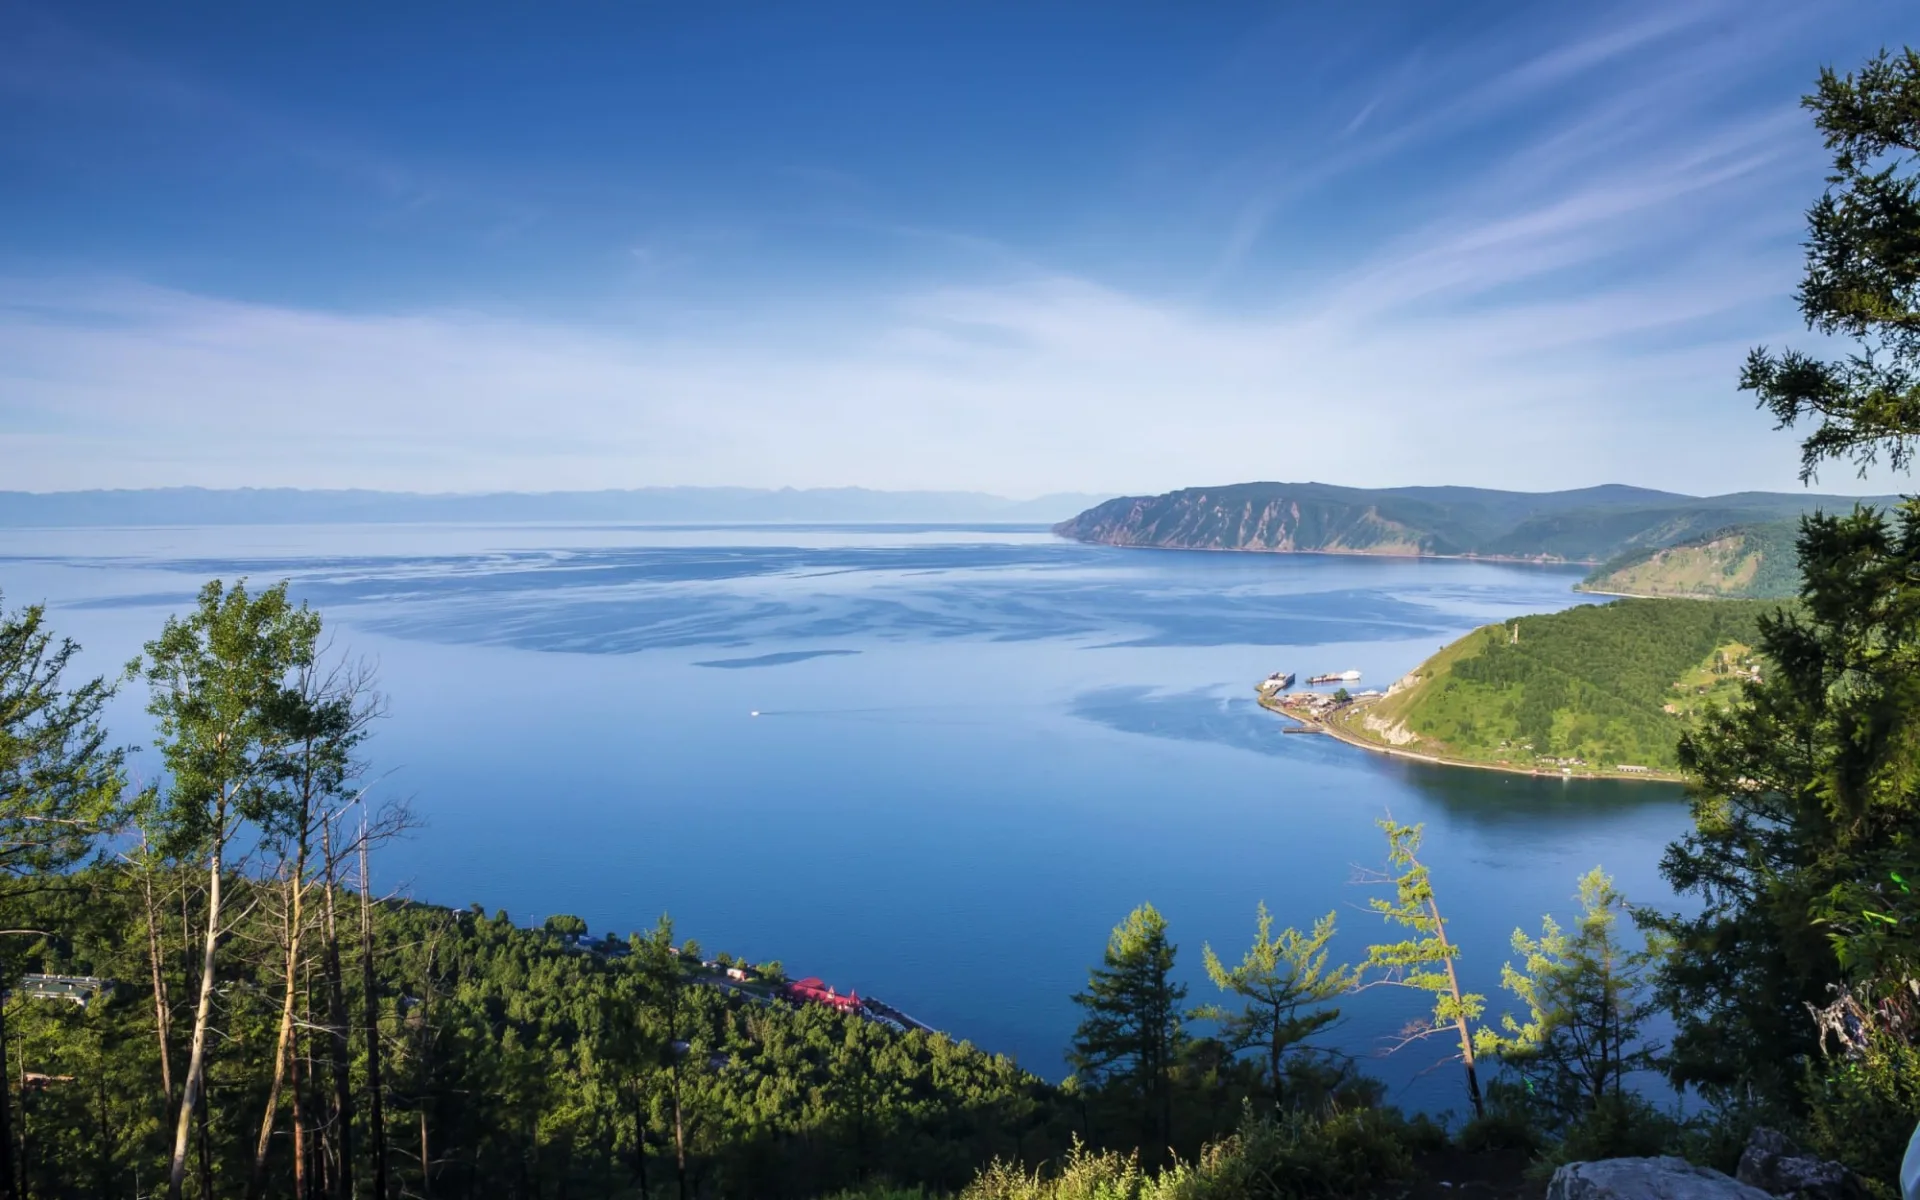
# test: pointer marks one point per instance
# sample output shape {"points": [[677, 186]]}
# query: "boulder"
{"points": [[1772, 1163], [1646, 1179]]}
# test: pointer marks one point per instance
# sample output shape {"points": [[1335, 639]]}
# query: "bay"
{"points": [[976, 748]]}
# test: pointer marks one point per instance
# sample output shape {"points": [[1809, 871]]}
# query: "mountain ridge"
{"points": [[1583, 525]]}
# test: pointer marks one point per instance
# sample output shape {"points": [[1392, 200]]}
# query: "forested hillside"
{"points": [[1753, 562], [1604, 685], [1587, 525], [514, 1062]]}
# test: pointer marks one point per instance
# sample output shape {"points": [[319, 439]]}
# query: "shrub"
{"points": [[1718, 1137], [1621, 1125], [1860, 1111], [1335, 1155], [1500, 1129], [1350, 1152]]}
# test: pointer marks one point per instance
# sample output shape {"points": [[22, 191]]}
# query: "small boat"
{"points": [[1337, 677]]}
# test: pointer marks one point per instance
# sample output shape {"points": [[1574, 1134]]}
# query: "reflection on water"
{"points": [[1538, 802], [975, 749]]}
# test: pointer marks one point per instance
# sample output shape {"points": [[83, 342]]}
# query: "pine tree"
{"points": [[221, 679], [60, 782], [1862, 276], [1134, 1027]]}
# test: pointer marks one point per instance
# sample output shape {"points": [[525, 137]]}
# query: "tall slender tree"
{"points": [[61, 784], [324, 715], [220, 681], [338, 1142], [1134, 1026], [666, 983], [1806, 836], [370, 1000], [1425, 961]]}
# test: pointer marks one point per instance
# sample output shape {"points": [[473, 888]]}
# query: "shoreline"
{"points": [[1587, 591], [1348, 736], [1492, 558]]}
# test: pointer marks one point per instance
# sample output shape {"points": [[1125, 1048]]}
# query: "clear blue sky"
{"points": [[1018, 247]]}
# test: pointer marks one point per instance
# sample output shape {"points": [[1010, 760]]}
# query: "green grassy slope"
{"points": [[1753, 561], [1588, 525], [1592, 683]]}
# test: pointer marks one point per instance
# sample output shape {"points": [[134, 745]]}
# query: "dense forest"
{"points": [[1606, 685], [207, 997], [469, 1057]]}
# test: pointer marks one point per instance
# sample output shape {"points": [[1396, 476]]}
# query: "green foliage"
{"points": [[60, 783], [1862, 277], [1861, 1109], [1291, 1155], [1807, 806], [1590, 683], [1619, 1125], [1587, 1000], [534, 1069], [1807, 811], [1425, 961], [1754, 562], [1134, 1028], [1510, 1122], [222, 694], [1285, 984]]}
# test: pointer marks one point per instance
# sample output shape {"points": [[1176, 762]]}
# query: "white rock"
{"points": [[1646, 1179]]}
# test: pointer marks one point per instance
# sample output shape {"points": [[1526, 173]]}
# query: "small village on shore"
{"points": [[1340, 714]]}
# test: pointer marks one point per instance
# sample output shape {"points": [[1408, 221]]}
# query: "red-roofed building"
{"points": [[812, 991]]}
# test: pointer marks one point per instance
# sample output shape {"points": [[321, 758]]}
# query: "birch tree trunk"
{"points": [[162, 1015], [190, 1097], [283, 1041], [376, 1122], [339, 1051]]}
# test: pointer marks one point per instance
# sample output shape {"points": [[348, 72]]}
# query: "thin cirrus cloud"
{"points": [[1599, 232]]}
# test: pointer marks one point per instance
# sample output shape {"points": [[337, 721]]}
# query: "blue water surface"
{"points": [[976, 749]]}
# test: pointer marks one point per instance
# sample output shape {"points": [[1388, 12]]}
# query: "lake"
{"points": [[976, 749]]}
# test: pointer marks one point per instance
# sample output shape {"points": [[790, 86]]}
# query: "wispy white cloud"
{"points": [[1023, 387], [1570, 310], [1668, 71]]}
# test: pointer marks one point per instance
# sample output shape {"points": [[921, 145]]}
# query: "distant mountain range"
{"points": [[285, 506], [1612, 524]]}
